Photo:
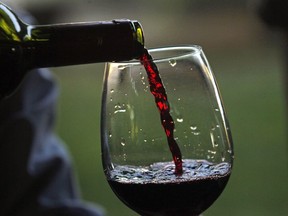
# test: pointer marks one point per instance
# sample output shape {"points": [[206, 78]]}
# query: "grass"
{"points": [[251, 85]]}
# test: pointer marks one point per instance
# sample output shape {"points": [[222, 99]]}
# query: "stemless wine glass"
{"points": [[136, 158]]}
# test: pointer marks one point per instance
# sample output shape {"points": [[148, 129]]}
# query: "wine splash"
{"points": [[158, 90]]}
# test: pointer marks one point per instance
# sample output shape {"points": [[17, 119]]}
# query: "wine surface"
{"points": [[158, 90], [155, 190]]}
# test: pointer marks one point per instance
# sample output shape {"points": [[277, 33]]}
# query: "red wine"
{"points": [[156, 191], [158, 90]]}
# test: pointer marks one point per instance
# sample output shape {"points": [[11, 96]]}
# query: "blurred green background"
{"points": [[247, 60]]}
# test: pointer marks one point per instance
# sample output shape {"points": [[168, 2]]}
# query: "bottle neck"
{"points": [[24, 47], [82, 43], [70, 44]]}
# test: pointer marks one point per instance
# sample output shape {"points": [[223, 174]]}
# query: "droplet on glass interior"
{"points": [[212, 152], [121, 67], [193, 127], [222, 156], [212, 137], [119, 109], [172, 62], [123, 142], [180, 119], [142, 76]]}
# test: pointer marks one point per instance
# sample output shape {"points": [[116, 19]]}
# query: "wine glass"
{"points": [[137, 160]]}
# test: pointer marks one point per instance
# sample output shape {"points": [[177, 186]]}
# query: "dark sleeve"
{"points": [[274, 13], [36, 174]]}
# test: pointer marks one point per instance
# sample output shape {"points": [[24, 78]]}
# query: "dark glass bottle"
{"points": [[24, 47]]}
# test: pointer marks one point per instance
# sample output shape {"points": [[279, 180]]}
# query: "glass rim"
{"points": [[180, 52]]}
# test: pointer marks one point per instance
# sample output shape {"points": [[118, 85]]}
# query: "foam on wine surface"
{"points": [[155, 190]]}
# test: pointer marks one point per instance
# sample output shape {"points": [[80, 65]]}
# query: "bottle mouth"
{"points": [[138, 32], [137, 35]]}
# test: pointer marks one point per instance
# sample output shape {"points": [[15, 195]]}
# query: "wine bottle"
{"points": [[24, 47]]}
